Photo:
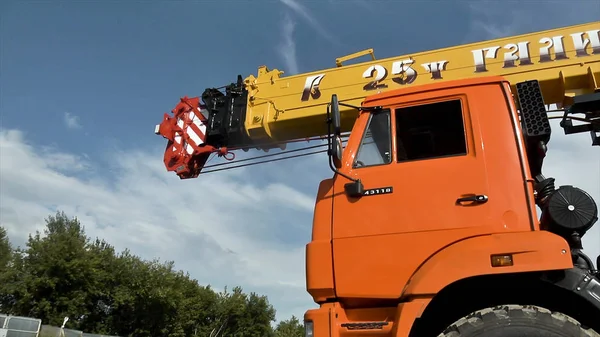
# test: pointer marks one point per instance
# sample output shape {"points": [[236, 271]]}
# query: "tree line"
{"points": [[65, 273]]}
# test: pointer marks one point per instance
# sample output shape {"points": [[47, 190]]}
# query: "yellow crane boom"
{"points": [[565, 61], [267, 110]]}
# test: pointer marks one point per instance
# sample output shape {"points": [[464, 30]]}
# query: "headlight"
{"points": [[308, 329]]}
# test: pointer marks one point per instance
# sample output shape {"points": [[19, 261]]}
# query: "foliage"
{"points": [[6, 255], [5, 250], [290, 328], [65, 273]]}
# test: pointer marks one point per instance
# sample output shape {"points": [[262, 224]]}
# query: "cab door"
{"points": [[422, 166]]}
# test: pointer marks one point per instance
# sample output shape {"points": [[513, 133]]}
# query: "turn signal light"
{"points": [[502, 260]]}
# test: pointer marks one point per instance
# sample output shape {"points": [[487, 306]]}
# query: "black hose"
{"points": [[544, 189], [587, 260]]}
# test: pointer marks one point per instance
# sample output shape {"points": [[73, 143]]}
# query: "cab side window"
{"points": [[376, 145], [431, 130]]}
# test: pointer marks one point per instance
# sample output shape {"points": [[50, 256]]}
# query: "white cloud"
{"points": [[222, 228], [287, 48], [309, 17], [72, 121]]}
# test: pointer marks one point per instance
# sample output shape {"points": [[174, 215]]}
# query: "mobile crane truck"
{"points": [[428, 226]]}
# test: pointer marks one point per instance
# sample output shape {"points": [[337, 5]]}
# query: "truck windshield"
{"points": [[375, 148]]}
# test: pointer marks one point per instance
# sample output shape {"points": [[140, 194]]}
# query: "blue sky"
{"points": [[82, 84]]}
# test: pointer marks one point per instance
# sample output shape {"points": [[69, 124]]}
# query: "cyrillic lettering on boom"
{"points": [[520, 51], [311, 87]]}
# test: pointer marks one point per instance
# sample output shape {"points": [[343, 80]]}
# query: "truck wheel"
{"points": [[517, 321]]}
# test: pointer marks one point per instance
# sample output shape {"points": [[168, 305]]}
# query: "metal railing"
{"points": [[18, 326]]}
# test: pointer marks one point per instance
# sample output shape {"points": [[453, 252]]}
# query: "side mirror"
{"points": [[355, 189], [335, 116], [336, 151], [335, 139]]}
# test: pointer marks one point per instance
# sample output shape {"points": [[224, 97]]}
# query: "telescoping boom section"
{"points": [[269, 109]]}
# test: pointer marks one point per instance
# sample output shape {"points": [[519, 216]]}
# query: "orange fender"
{"points": [[531, 251]]}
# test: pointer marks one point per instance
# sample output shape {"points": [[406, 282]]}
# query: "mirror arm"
{"points": [[360, 108], [329, 149], [334, 169]]}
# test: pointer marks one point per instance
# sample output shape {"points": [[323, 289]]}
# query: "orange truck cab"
{"points": [[432, 216]]}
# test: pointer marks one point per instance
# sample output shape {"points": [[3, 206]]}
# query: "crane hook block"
{"points": [[186, 151]]}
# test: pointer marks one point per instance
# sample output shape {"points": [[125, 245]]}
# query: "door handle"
{"points": [[478, 199]]}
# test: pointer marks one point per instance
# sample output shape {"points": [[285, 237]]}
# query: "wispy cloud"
{"points": [[308, 16], [72, 121], [366, 5], [287, 47], [493, 19]]}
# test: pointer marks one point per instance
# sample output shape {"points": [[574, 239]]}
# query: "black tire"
{"points": [[517, 321]]}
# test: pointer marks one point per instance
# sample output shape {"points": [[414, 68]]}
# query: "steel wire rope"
{"points": [[266, 156], [343, 136], [261, 162], [251, 146]]}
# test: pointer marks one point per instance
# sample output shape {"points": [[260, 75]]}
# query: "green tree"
{"points": [[98, 316], [6, 257], [290, 328], [57, 278], [152, 299], [245, 315], [62, 273], [5, 250]]}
